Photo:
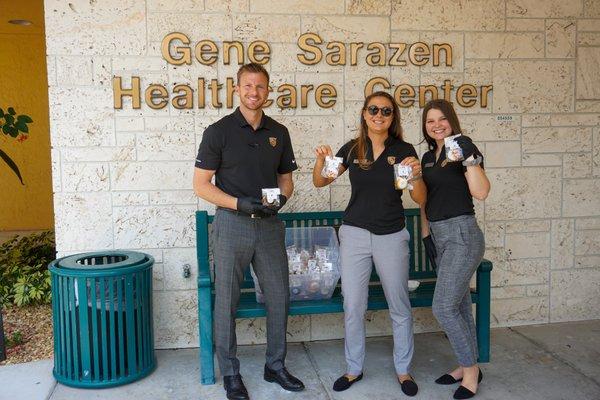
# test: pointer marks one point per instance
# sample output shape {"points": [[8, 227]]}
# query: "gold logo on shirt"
{"points": [[391, 160], [273, 141]]}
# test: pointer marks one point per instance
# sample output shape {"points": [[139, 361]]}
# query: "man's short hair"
{"points": [[252, 68]]}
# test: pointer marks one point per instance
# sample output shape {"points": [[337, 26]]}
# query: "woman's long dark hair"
{"points": [[446, 108], [394, 130]]}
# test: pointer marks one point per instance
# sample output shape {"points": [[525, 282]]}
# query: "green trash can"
{"points": [[102, 317]]}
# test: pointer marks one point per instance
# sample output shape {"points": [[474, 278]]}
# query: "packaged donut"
{"points": [[270, 197], [453, 150], [331, 167], [402, 176]]}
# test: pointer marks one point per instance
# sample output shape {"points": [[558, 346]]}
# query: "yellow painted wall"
{"points": [[24, 86]]}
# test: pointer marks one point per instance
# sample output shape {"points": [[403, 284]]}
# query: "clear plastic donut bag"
{"points": [[402, 176], [453, 150], [331, 167], [270, 197]]}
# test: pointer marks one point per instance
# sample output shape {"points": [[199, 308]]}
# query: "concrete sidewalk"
{"points": [[555, 361]]}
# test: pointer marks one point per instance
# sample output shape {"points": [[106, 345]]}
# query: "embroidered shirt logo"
{"points": [[391, 160], [273, 141]]}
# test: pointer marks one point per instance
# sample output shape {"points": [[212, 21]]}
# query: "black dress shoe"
{"points": [[409, 387], [448, 379], [464, 393], [284, 378], [235, 387], [342, 383]]}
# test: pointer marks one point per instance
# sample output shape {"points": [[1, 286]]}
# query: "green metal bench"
{"points": [[249, 308]]}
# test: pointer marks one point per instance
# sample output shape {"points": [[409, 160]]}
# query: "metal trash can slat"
{"points": [[102, 317]]}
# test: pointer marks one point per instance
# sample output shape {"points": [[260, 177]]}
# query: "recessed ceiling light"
{"points": [[23, 22]]}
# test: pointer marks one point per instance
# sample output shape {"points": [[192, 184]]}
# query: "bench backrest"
{"points": [[419, 264]]}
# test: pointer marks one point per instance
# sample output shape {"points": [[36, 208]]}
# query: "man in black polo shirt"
{"points": [[247, 151]]}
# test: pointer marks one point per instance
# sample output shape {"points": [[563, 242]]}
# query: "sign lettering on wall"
{"points": [[177, 49]]}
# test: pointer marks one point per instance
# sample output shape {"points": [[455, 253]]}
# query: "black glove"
{"points": [[250, 205], [467, 146], [430, 250]]}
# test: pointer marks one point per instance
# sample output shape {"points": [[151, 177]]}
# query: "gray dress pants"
{"points": [[238, 241], [359, 250], [460, 246]]}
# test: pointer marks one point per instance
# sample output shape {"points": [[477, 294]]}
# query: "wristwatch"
{"points": [[474, 161]]}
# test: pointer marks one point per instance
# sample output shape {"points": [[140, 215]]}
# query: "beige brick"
{"points": [[524, 25], [215, 27], [151, 175], [153, 226], [575, 119], [587, 105], [508, 292], [478, 72], [560, 38], [456, 41], [511, 196], [562, 245], [504, 45], [227, 6], [521, 311], [536, 120], [73, 71], [577, 165], [538, 291], [297, 7], [588, 25], [448, 15], [306, 196], [587, 223], [494, 234], [551, 140], [270, 28], [97, 154], [536, 160], [588, 73], [527, 245], [129, 199], [530, 225], [516, 272], [596, 153], [503, 154], [571, 292], [587, 242], [369, 7], [588, 39], [592, 8], [176, 5], [587, 261], [533, 86], [348, 29], [308, 132], [165, 146], [176, 318], [580, 197], [545, 9]]}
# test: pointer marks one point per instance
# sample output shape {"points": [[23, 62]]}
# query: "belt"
{"points": [[243, 214]]}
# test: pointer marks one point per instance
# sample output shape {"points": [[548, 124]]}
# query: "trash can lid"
{"points": [[103, 260]]}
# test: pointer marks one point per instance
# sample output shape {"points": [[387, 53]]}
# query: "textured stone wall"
{"points": [[122, 178]]}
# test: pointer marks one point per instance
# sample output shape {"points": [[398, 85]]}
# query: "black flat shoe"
{"points": [[464, 393], [342, 383], [284, 379], [409, 387], [448, 379], [234, 387]]}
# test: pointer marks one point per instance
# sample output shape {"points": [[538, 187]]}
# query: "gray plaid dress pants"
{"points": [[239, 240]]}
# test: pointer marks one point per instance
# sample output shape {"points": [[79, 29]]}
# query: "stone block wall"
{"points": [[123, 178]]}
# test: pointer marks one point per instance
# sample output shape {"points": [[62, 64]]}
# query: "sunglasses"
{"points": [[385, 111]]}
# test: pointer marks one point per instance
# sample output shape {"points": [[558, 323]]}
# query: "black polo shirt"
{"points": [[246, 160], [448, 193], [375, 204]]}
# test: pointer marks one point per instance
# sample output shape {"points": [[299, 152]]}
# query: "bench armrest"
{"points": [[485, 266]]}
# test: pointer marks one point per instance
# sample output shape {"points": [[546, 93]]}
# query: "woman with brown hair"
{"points": [[451, 235], [373, 232]]}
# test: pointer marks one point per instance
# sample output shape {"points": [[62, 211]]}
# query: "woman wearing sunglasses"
{"points": [[373, 232], [452, 237]]}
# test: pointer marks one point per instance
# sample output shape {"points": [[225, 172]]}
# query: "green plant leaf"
{"points": [[11, 111], [1, 113], [12, 131], [25, 118], [11, 164], [22, 126], [9, 119]]}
